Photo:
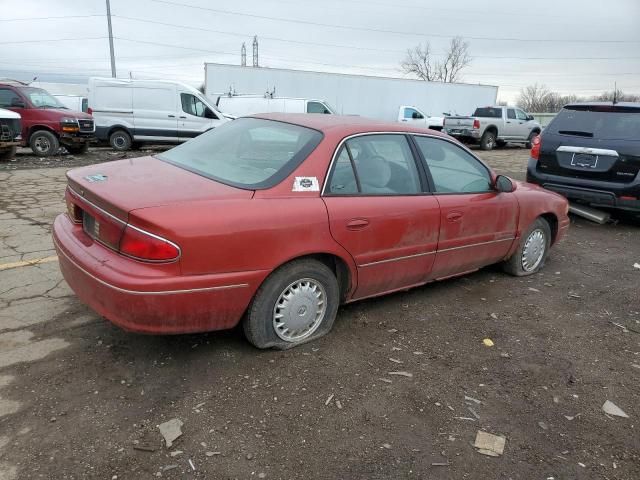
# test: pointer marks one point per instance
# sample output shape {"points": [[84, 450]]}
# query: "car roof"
{"points": [[345, 124], [603, 104]]}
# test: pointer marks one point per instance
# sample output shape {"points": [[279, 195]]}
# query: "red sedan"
{"points": [[276, 220]]}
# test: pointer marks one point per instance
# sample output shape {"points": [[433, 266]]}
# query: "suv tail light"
{"points": [[536, 143], [146, 246], [476, 123]]}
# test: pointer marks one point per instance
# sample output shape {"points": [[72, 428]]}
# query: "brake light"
{"points": [[145, 246], [90, 111], [74, 212], [536, 143], [476, 123]]}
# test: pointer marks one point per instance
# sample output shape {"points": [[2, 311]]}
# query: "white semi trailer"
{"points": [[368, 96]]}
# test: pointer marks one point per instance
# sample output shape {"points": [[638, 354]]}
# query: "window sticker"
{"points": [[306, 184]]}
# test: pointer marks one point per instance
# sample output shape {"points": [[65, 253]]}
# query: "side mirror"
{"points": [[17, 103], [504, 184], [208, 113], [530, 117]]}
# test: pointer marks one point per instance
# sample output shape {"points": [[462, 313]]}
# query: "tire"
{"points": [[488, 141], [500, 143], [529, 143], [120, 140], [262, 326], [8, 153], [540, 234], [44, 143], [78, 149]]}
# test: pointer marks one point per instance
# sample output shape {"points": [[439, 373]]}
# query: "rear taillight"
{"points": [[90, 111], [145, 246], [476, 123], [74, 212], [536, 143]]}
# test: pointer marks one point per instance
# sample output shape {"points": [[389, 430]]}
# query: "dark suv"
{"points": [[590, 153]]}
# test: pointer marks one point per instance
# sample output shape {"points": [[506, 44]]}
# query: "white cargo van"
{"points": [[240, 105], [129, 112]]}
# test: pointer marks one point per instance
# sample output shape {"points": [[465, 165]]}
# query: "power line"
{"points": [[52, 40], [366, 29], [23, 19]]}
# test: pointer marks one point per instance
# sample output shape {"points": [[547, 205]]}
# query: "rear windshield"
{"points": [[488, 112], [247, 153], [597, 122]]}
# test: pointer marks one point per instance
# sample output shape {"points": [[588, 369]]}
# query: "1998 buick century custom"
{"points": [[275, 220]]}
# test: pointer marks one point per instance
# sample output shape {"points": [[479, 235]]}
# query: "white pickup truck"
{"points": [[494, 126], [10, 133], [414, 116]]}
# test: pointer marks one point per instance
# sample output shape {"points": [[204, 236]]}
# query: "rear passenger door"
{"points": [[477, 224], [381, 212], [510, 129]]}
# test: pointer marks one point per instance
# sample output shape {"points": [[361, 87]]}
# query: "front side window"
{"points": [[384, 165], [412, 113], [248, 153], [453, 169], [521, 115], [317, 107], [8, 98], [193, 105]]}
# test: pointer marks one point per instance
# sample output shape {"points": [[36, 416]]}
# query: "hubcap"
{"points": [[299, 310], [42, 144], [533, 250], [119, 141]]}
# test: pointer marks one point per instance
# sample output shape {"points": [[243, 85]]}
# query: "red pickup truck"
{"points": [[46, 123]]}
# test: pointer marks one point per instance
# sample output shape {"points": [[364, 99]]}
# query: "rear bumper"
{"points": [[149, 298], [624, 196], [470, 134]]}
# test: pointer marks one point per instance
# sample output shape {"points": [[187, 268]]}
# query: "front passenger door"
{"points": [[194, 117], [477, 224]]}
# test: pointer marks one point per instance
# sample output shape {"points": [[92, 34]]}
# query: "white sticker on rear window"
{"points": [[306, 184]]}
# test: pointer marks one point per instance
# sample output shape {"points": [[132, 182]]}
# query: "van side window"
{"points": [[317, 107], [193, 105], [8, 97]]}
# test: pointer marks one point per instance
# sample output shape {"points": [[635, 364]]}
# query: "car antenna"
{"points": [[34, 79], [615, 93]]}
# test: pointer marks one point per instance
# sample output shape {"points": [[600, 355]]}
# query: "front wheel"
{"points": [[296, 303], [532, 250], [44, 143], [488, 141]]}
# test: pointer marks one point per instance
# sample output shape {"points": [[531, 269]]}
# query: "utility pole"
{"points": [[113, 58], [255, 51], [243, 55]]}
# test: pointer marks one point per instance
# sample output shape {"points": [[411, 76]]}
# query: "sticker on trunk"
{"points": [[98, 177], [306, 184]]}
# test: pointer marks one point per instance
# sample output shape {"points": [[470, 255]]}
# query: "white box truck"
{"points": [[129, 112], [375, 97]]}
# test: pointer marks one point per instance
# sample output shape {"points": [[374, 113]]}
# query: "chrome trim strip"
{"points": [[453, 141], [587, 150], [477, 244], [141, 292], [396, 259]]}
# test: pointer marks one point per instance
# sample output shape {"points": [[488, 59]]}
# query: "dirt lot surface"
{"points": [[80, 398]]}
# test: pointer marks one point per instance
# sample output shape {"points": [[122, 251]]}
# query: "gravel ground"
{"points": [[80, 398]]}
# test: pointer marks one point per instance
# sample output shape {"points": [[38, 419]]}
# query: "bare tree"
{"points": [[535, 98], [619, 96], [419, 61]]}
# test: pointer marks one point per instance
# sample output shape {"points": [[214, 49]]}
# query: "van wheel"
{"points": [[296, 304], [7, 153], [532, 250], [78, 149], [44, 143], [120, 140], [488, 141]]}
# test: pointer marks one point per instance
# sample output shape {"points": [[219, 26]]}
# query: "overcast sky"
{"points": [[572, 46]]}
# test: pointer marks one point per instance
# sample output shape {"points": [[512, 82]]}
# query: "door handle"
{"points": [[357, 223], [454, 216], [171, 116], [403, 120], [182, 116], [508, 122]]}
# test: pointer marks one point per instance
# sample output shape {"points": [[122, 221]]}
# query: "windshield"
{"points": [[247, 153], [488, 112], [608, 123], [41, 98]]}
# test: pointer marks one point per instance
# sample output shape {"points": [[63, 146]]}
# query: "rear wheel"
{"points": [[7, 153], [529, 143], [120, 140], [77, 149], [532, 250], [44, 143], [296, 303], [488, 141]]}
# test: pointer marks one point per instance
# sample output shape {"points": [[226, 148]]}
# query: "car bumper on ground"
{"points": [[623, 196], [147, 298]]}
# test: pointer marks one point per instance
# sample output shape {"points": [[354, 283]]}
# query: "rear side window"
{"points": [[511, 113], [247, 153], [488, 112], [608, 123], [384, 165]]}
